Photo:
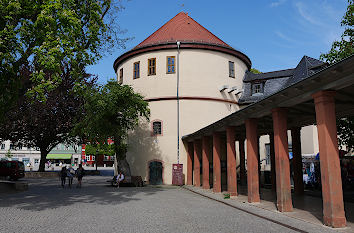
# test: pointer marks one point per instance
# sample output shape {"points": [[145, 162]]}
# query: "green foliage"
{"points": [[105, 149], [110, 112], [45, 34], [340, 50], [8, 154], [343, 48], [345, 127], [255, 71]]}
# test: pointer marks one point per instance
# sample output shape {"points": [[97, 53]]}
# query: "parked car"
{"points": [[13, 169]]}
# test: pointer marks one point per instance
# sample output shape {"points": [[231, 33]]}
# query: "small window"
{"points": [[267, 147], [12, 146], [2, 146], [170, 65], [87, 158], [152, 66], [120, 76], [157, 128], [36, 161], [231, 69], [136, 70], [257, 88], [93, 158]]}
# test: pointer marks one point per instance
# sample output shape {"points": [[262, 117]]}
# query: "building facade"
{"points": [[191, 79], [31, 157]]}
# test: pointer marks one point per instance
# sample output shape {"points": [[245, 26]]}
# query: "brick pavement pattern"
{"points": [[96, 207]]}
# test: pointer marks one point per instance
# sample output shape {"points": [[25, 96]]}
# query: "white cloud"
{"points": [[277, 3], [284, 37], [321, 19], [305, 14]]}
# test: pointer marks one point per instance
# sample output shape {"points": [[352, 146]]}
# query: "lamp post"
{"points": [[96, 158], [178, 44]]}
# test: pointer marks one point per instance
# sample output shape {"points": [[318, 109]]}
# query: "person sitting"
{"points": [[120, 178]]}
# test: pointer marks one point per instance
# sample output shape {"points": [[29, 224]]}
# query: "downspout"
{"points": [[178, 44]]}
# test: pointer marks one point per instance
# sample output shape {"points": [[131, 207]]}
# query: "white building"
{"points": [[32, 156]]}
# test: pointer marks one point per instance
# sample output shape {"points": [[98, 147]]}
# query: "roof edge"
{"points": [[184, 45]]}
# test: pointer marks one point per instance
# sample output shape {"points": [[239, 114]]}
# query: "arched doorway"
{"points": [[155, 172]]}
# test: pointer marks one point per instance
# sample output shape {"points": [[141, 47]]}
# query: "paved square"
{"points": [[46, 207]]}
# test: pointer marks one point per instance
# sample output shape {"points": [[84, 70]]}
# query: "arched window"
{"points": [[157, 128]]}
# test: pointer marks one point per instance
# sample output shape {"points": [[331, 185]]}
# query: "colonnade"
{"points": [[332, 195]]}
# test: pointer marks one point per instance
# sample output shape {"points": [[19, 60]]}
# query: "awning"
{"points": [[59, 156]]}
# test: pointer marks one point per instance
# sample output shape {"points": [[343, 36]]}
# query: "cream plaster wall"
{"points": [[202, 73]]}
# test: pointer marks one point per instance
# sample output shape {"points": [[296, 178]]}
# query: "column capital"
{"points": [[324, 96], [230, 127], [280, 110], [251, 120]]}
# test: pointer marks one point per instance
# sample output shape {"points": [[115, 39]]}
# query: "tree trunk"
{"points": [[96, 157], [43, 159], [124, 167]]}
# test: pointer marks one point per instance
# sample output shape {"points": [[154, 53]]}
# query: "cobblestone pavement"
{"points": [[96, 207]]}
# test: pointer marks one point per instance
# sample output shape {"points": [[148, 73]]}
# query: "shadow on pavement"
{"points": [[309, 203], [48, 194]]}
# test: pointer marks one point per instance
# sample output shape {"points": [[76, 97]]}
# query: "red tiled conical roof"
{"points": [[191, 34], [182, 28]]}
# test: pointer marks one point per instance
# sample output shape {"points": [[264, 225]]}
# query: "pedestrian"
{"points": [[79, 174], [70, 174], [120, 178], [63, 174]]}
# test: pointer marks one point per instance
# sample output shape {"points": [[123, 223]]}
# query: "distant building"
{"points": [[61, 153], [102, 160]]}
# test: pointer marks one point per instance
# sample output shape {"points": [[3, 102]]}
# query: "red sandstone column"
{"points": [[282, 160], [231, 161], [297, 161], [205, 161], [332, 193], [197, 155], [216, 163], [252, 160], [272, 161], [243, 177], [189, 163]]}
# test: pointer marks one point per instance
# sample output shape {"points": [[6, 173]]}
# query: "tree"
{"points": [[110, 112], [255, 71], [8, 154], [44, 124], [341, 50], [47, 34]]}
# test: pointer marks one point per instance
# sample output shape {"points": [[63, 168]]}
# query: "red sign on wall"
{"points": [[177, 174]]}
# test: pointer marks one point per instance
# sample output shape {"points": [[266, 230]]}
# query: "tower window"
{"points": [[120, 76], [152, 66], [136, 70], [156, 128], [170, 65], [231, 69]]}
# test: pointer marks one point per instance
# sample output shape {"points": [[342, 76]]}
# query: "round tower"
{"points": [[190, 78]]}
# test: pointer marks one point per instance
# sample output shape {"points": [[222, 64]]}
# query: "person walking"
{"points": [[63, 174], [79, 174], [70, 174]]}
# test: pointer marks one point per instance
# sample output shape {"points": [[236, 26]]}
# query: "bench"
{"points": [[132, 181]]}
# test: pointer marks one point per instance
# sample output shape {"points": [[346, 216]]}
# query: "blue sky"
{"points": [[274, 34]]}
